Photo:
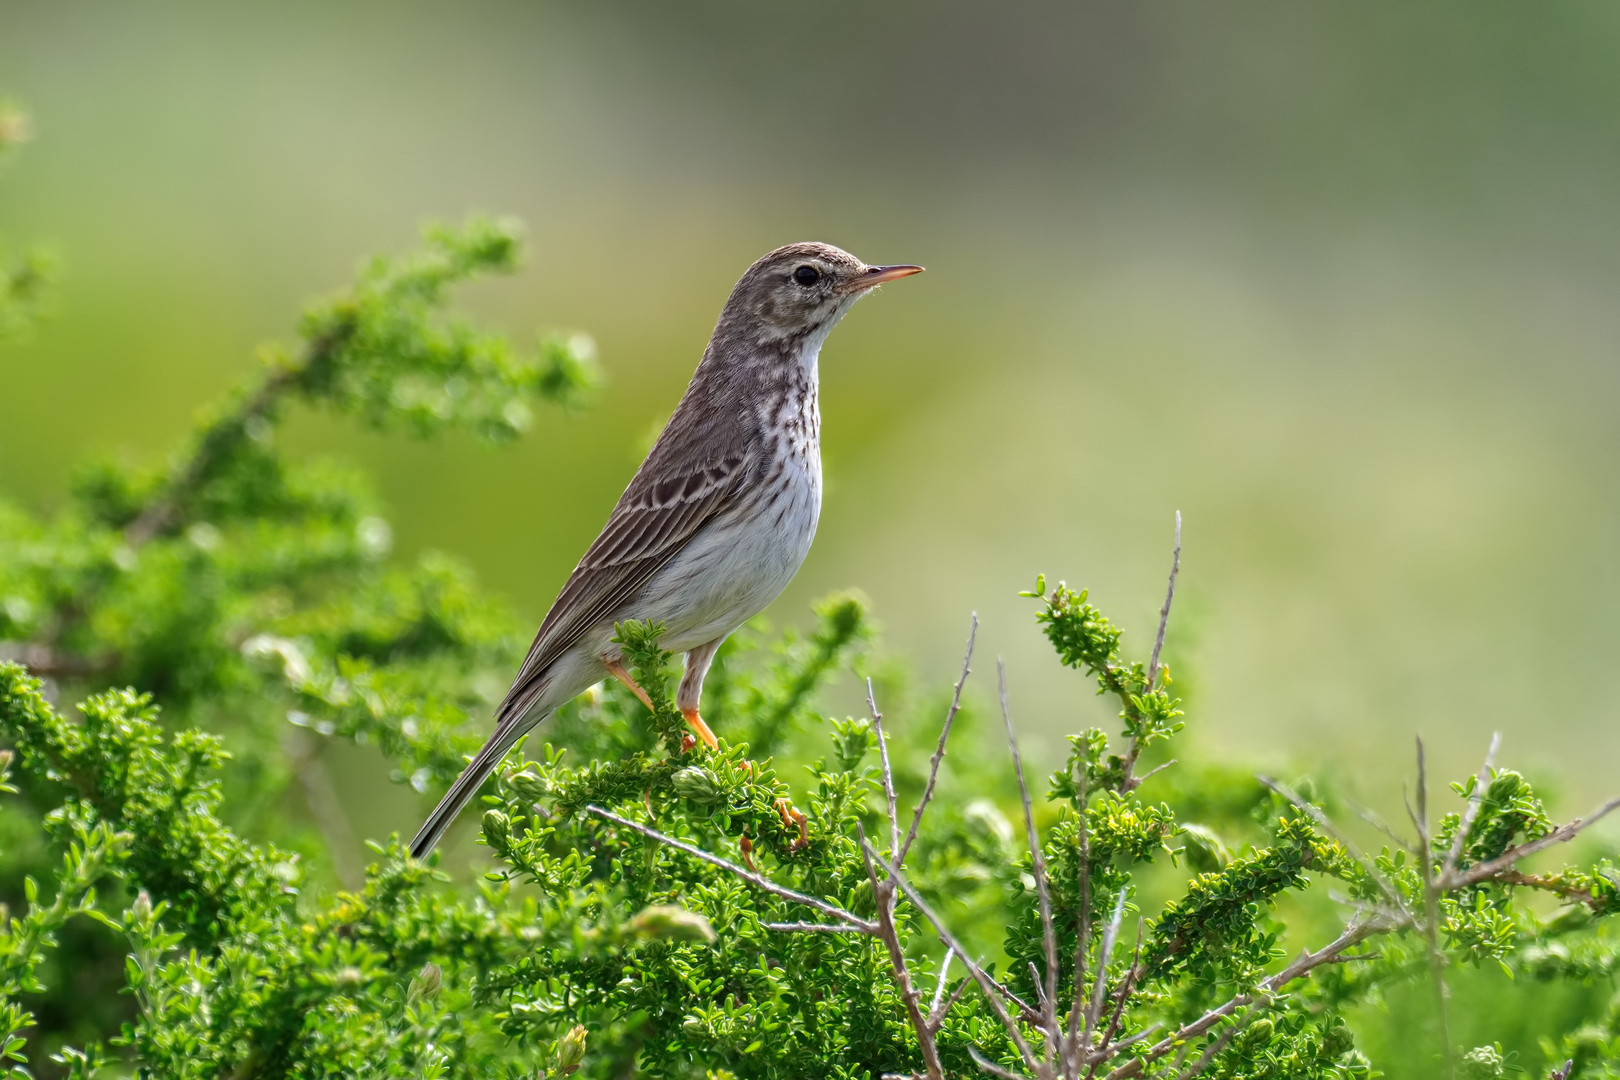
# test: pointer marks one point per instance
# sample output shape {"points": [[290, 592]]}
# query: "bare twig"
{"points": [[1122, 997], [1381, 825], [944, 975], [1214, 1048], [1493, 867], [1037, 861], [1563, 1071], [1164, 612], [939, 751], [1103, 1053], [812, 928], [1482, 781], [1026, 1012], [888, 773], [1104, 954], [1155, 771], [991, 1067], [1546, 884], [940, 1007], [1302, 965], [1431, 911], [1384, 885], [884, 893], [936, 1016], [1082, 940], [1129, 781], [757, 880], [988, 986], [1040, 990]]}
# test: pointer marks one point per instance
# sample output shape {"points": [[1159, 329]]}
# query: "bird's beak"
{"points": [[877, 275]]}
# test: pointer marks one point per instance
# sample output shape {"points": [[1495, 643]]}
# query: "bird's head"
{"points": [[796, 294]]}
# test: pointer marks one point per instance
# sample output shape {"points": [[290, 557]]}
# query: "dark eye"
{"points": [[807, 275]]}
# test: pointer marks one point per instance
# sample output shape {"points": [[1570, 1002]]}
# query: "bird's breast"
{"points": [[748, 553]]}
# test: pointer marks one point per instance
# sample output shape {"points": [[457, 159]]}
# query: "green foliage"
{"points": [[1086, 640], [188, 904]]}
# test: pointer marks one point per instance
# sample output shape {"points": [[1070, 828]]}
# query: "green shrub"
{"points": [[186, 900]]}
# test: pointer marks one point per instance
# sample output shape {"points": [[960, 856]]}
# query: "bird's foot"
{"points": [[792, 818], [700, 728], [616, 669], [746, 847]]}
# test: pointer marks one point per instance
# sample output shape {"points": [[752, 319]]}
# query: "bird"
{"points": [[717, 519]]}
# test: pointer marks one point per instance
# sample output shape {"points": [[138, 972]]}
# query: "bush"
{"points": [[188, 900]]}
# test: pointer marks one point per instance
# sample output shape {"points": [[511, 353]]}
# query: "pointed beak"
{"points": [[877, 275]]}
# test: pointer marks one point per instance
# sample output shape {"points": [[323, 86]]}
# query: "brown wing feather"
{"points": [[656, 517]]}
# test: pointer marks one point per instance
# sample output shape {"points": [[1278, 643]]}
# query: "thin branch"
{"points": [[936, 1016], [1475, 874], [888, 773], [812, 928], [1563, 1071], [1121, 997], [1356, 959], [1155, 771], [1040, 990], [939, 751], [1115, 1047], [1381, 825], [884, 893], [939, 988], [1546, 884], [1026, 1012], [1164, 612], [1104, 954], [1482, 781], [1134, 750], [1431, 911], [1042, 886], [1216, 1047], [1306, 962], [991, 989], [1082, 940], [991, 1067], [758, 880], [1316, 815]]}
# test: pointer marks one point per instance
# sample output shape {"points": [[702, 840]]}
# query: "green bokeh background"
{"points": [[1337, 282]]}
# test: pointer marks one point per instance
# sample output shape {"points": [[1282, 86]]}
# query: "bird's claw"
{"points": [[695, 722], [791, 819]]}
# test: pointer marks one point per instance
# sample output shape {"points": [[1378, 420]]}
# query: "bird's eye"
{"points": [[807, 275]]}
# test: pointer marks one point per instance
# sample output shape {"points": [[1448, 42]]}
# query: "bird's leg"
{"points": [[792, 818], [616, 669], [690, 694]]}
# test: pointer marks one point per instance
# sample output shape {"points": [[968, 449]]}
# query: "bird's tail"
{"points": [[461, 792]]}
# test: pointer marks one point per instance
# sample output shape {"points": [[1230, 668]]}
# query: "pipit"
{"points": [[715, 522]]}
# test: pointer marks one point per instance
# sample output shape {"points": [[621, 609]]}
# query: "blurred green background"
{"points": [[1337, 282]]}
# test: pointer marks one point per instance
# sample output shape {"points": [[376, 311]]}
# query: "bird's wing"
{"points": [[654, 520]]}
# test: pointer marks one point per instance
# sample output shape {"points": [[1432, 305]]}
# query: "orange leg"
{"points": [[690, 693], [616, 669], [791, 818], [702, 729]]}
